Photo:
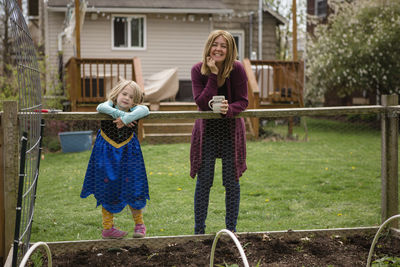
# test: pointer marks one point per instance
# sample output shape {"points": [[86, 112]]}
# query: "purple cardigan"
{"points": [[204, 88]]}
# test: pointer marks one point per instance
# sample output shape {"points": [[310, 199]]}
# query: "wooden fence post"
{"points": [[9, 123], [389, 164], [2, 216]]}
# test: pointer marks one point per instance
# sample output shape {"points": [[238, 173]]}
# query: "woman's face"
{"points": [[219, 49]]}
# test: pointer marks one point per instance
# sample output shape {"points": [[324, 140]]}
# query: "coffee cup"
{"points": [[216, 102]]}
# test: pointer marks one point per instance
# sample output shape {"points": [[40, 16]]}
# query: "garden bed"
{"points": [[333, 247]]}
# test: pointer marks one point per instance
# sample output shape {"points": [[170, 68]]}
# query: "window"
{"points": [[128, 32], [239, 39], [321, 8], [33, 8]]}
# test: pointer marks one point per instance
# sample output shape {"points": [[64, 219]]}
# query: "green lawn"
{"points": [[331, 180]]}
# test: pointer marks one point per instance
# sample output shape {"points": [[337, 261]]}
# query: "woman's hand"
{"points": [[119, 123], [224, 107], [212, 66]]}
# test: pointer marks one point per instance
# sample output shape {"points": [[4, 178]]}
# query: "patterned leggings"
{"points": [[217, 143], [204, 183], [108, 217]]}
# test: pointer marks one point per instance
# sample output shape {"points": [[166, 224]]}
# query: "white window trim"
{"points": [[129, 48], [240, 34], [316, 9]]}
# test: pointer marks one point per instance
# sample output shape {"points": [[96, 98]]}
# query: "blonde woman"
{"points": [[219, 73]]}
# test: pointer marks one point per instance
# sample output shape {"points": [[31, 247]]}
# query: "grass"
{"points": [[331, 180]]}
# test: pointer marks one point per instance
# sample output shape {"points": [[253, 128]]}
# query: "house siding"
{"points": [[165, 49], [243, 8], [172, 40], [54, 28]]}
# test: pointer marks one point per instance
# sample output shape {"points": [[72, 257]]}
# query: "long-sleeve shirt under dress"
{"points": [[204, 88], [116, 173]]}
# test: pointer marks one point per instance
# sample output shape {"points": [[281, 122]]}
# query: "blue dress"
{"points": [[116, 174]]}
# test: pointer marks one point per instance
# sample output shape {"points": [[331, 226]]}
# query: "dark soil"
{"points": [[261, 250]]}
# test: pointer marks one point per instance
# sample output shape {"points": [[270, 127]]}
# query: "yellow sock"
{"points": [[108, 219], [137, 215]]}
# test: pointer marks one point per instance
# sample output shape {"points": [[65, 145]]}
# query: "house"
{"points": [[317, 12], [34, 22], [163, 34]]}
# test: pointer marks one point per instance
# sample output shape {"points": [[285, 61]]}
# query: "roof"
{"points": [[149, 6], [276, 15]]}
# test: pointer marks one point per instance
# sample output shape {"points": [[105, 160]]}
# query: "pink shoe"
{"points": [[113, 233], [140, 230]]}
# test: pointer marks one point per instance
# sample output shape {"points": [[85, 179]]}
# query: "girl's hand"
{"points": [[224, 107], [132, 124], [119, 123], [212, 66]]}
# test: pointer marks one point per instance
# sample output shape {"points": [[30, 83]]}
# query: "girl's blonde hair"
{"points": [[231, 53], [138, 94]]}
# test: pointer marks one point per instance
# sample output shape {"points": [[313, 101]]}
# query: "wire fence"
{"points": [[327, 173], [24, 69]]}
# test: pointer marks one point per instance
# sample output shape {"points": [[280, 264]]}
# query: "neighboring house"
{"points": [[34, 23], [162, 33], [318, 12]]}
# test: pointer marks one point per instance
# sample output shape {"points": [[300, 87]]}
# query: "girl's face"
{"points": [[125, 98], [218, 49]]}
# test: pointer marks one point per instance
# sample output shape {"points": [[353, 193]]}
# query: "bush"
{"points": [[356, 50], [51, 143]]}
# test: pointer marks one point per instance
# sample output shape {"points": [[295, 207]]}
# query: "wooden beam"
{"points": [[389, 160], [253, 95], [256, 113], [2, 215], [137, 72], [77, 29], [9, 122], [294, 30]]}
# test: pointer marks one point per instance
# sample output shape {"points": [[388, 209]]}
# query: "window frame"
{"points": [[316, 8], [129, 45], [240, 35]]}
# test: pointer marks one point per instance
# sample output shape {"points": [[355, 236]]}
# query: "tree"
{"points": [[8, 81], [356, 50], [284, 32], [10, 46], [5, 44]]}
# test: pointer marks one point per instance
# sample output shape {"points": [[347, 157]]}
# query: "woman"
{"points": [[219, 73]]}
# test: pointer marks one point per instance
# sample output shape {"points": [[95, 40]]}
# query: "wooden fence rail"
{"points": [[389, 112]]}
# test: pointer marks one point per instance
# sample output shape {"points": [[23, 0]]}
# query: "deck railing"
{"points": [[253, 96], [90, 79], [273, 83], [279, 81], [270, 82]]}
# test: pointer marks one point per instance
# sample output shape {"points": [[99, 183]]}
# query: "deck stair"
{"points": [[171, 130], [157, 131]]}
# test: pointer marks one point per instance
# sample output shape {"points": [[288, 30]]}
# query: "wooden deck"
{"points": [[271, 84]]}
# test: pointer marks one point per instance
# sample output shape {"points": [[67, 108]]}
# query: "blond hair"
{"points": [[138, 94], [231, 54]]}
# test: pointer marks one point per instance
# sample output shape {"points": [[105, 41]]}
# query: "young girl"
{"points": [[116, 174]]}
